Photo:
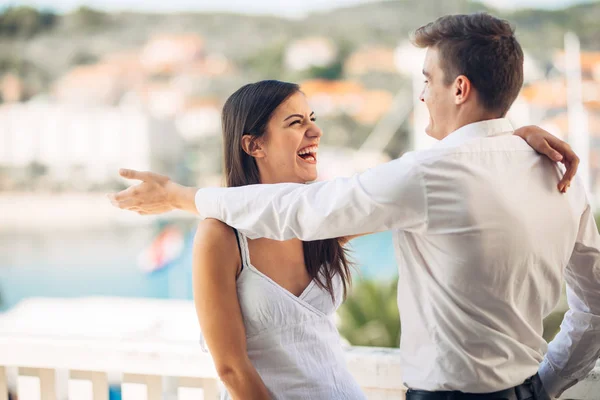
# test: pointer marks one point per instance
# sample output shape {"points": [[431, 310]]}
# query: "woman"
{"points": [[265, 307]]}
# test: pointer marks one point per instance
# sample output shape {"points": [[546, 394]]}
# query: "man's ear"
{"points": [[462, 89], [253, 146]]}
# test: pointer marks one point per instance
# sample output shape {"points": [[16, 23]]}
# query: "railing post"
{"points": [[197, 388], [36, 384], [141, 387], [3, 384], [88, 385]]}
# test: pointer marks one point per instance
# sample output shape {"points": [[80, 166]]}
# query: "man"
{"points": [[483, 239]]}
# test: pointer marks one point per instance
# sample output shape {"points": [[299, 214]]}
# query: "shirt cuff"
{"points": [[554, 384], [208, 203]]}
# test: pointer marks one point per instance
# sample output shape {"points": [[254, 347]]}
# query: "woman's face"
{"points": [[288, 149]]}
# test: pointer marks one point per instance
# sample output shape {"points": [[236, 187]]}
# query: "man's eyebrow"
{"points": [[426, 74]]}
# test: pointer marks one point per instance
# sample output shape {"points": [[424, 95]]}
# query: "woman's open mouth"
{"points": [[309, 154]]}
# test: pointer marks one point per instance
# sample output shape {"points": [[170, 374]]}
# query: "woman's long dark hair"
{"points": [[248, 111]]}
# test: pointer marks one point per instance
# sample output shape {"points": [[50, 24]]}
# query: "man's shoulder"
{"points": [[577, 190], [490, 144], [426, 156]]}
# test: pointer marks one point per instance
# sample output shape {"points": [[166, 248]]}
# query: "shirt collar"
{"points": [[491, 127]]}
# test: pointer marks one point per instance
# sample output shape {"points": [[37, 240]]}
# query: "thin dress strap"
{"points": [[237, 238]]}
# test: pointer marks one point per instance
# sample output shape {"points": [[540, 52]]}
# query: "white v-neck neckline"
{"points": [[248, 264]]}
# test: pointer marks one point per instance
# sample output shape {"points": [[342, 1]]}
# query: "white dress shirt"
{"points": [[483, 241]]}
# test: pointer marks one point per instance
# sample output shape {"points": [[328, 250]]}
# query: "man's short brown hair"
{"points": [[482, 48]]}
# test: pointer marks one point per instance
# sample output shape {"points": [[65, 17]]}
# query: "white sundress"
{"points": [[292, 341]]}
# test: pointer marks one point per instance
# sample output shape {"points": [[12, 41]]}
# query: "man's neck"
{"points": [[470, 116]]}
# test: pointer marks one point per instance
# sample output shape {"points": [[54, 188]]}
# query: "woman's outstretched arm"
{"points": [[216, 262]]}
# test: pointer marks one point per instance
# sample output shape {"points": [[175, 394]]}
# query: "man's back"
{"points": [[476, 283]]}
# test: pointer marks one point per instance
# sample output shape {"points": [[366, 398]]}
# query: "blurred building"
{"points": [[90, 84], [161, 78], [161, 100], [548, 95], [11, 89], [333, 98], [371, 59], [210, 66], [532, 69], [199, 119], [169, 53], [590, 64], [103, 83], [303, 54], [83, 147], [546, 101]]}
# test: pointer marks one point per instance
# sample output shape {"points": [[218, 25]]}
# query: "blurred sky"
{"points": [[290, 8]]}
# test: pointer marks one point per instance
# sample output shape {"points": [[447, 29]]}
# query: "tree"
{"points": [[25, 21], [36, 170], [552, 324], [330, 72], [268, 63], [369, 316], [87, 17], [83, 58]]}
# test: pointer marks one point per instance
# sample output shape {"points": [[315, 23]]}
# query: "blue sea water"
{"points": [[103, 263]]}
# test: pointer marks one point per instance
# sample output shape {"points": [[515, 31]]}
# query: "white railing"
{"points": [[144, 365], [58, 363]]}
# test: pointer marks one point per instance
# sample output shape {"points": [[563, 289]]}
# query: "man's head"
{"points": [[473, 70]]}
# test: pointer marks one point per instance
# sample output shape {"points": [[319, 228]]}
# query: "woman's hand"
{"points": [[557, 150], [156, 194]]}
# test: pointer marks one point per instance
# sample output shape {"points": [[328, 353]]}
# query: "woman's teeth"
{"points": [[306, 150], [309, 153]]}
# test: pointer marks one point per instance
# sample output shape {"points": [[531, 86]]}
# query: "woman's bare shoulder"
{"points": [[216, 240]]}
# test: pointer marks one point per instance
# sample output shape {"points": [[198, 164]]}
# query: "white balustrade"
{"points": [[156, 358], [36, 384], [87, 385], [3, 384]]}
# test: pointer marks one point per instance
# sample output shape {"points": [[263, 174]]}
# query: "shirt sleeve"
{"points": [[574, 351], [389, 196]]}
